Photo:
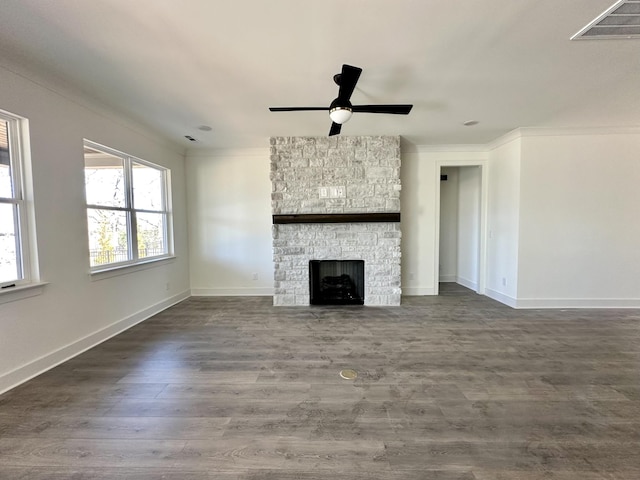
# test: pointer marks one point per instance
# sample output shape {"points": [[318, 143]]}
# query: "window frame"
{"points": [[17, 142], [131, 212]]}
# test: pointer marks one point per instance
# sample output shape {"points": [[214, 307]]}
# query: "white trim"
{"points": [[228, 152], [447, 278], [233, 292], [525, 132], [453, 148], [504, 139], [417, 291], [460, 162], [533, 303], [21, 291], [40, 365], [18, 142], [116, 270], [501, 297], [484, 205], [588, 131], [44, 81], [467, 283], [129, 208]]}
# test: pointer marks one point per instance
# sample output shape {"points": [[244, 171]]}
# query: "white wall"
{"points": [[419, 238], [547, 240], [503, 220], [229, 199], [420, 200], [579, 219], [449, 225], [468, 239], [76, 310]]}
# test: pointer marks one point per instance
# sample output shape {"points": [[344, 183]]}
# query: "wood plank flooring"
{"points": [[454, 387]]}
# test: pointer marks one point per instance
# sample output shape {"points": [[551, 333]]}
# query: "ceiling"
{"points": [[175, 66]]}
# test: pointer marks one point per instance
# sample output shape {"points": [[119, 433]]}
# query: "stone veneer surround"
{"points": [[368, 169]]}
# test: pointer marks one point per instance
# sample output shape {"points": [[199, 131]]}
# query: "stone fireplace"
{"points": [[336, 198]]}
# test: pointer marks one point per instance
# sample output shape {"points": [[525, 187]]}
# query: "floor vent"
{"points": [[620, 21]]}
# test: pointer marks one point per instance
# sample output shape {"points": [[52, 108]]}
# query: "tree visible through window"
{"points": [[127, 208]]}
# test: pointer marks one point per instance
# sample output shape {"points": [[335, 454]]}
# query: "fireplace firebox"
{"points": [[336, 282]]}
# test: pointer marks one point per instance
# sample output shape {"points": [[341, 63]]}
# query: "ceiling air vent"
{"points": [[621, 20]]}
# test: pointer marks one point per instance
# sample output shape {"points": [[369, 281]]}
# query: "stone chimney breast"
{"points": [[333, 176]]}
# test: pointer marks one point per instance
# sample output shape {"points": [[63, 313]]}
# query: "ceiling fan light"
{"points": [[340, 115]]}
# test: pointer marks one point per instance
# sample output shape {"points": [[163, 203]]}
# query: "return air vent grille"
{"points": [[621, 20]]}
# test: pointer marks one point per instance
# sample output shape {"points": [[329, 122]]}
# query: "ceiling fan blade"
{"points": [[393, 109], [335, 128], [296, 109], [348, 79]]}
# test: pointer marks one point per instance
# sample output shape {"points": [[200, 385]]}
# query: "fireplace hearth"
{"points": [[336, 282]]}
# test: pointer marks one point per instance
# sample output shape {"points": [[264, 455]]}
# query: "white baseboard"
{"points": [[47, 362], [417, 291], [533, 303], [267, 292], [577, 303], [447, 278], [232, 292], [467, 283], [501, 297]]}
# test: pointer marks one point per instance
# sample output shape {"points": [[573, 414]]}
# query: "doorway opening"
{"points": [[460, 224]]}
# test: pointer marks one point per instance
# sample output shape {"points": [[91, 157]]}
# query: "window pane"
{"points": [[147, 188], [9, 264], [151, 234], [126, 207], [107, 236], [5, 168], [104, 178]]}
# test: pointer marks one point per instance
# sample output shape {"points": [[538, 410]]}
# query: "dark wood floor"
{"points": [[454, 387]]}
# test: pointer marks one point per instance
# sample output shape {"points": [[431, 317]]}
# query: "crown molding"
{"points": [[530, 132], [453, 148], [263, 152], [575, 131], [57, 87]]}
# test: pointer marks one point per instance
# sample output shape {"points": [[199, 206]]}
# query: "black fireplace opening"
{"points": [[336, 282]]}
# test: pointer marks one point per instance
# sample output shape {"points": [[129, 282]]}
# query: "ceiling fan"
{"points": [[340, 109]]}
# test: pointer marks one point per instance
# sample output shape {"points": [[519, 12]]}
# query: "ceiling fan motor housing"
{"points": [[340, 110]]}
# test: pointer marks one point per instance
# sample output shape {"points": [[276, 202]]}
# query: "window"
{"points": [[127, 208], [15, 246]]}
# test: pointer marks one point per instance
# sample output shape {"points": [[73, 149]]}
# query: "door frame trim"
{"points": [[482, 260]]}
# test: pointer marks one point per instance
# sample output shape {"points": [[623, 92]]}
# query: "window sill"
{"points": [[117, 270], [20, 292]]}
